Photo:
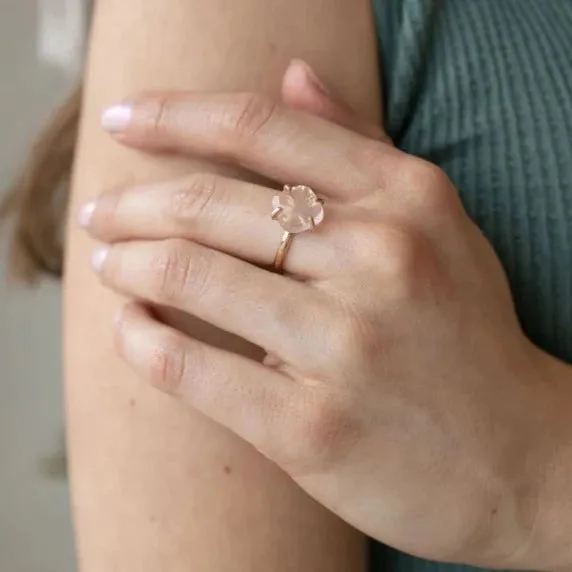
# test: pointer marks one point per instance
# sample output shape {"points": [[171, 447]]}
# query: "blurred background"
{"points": [[41, 48]]}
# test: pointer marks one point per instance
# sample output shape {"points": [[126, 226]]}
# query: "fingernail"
{"points": [[86, 214], [313, 77], [98, 258], [116, 118]]}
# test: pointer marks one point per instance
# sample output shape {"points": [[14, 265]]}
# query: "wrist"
{"points": [[548, 546]]}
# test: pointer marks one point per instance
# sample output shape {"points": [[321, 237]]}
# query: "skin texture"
{"points": [[156, 485], [403, 394]]}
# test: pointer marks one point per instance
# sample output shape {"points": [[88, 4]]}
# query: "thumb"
{"points": [[302, 89]]}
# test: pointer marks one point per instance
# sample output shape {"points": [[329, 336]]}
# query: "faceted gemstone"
{"points": [[297, 209]]}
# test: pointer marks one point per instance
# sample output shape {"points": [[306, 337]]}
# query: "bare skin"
{"points": [[402, 392], [155, 485]]}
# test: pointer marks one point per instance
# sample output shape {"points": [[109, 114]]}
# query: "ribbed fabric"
{"points": [[483, 88]]}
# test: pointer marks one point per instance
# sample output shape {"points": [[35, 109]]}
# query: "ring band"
{"points": [[285, 243], [297, 209]]}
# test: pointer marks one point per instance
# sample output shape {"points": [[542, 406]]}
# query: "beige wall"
{"points": [[38, 52]]}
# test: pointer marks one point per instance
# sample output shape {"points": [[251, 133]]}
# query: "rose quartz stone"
{"points": [[300, 209]]}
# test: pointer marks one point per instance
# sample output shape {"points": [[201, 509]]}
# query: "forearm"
{"points": [[156, 486]]}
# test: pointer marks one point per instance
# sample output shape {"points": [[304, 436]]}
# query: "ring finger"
{"points": [[225, 214]]}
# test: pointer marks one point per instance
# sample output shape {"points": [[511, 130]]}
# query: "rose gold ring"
{"points": [[297, 209]]}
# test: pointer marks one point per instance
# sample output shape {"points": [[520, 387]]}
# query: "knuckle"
{"points": [[429, 187], [349, 343], [368, 242], [325, 431], [167, 364], [295, 317], [195, 198], [367, 159], [397, 253], [400, 261], [253, 112], [421, 173], [370, 151], [162, 115], [171, 269]]}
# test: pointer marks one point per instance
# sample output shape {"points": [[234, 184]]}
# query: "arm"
{"points": [[156, 486]]}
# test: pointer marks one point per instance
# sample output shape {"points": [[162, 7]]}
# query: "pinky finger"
{"points": [[251, 400]]}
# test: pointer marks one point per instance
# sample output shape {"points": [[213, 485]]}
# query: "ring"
{"points": [[297, 209]]}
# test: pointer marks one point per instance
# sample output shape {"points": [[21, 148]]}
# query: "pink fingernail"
{"points": [[98, 258], [86, 214], [116, 118], [313, 77]]}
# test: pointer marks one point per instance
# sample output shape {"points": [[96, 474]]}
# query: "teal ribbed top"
{"points": [[483, 88]]}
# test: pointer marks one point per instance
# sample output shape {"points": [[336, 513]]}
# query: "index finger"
{"points": [[255, 132]]}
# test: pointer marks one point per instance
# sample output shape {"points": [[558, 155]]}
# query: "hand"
{"points": [[404, 395]]}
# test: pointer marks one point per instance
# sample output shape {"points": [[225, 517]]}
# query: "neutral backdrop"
{"points": [[40, 51]]}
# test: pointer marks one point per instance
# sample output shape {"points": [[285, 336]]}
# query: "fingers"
{"points": [[254, 132], [225, 214], [303, 90], [269, 310], [255, 402]]}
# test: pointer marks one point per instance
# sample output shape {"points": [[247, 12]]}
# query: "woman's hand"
{"points": [[402, 393]]}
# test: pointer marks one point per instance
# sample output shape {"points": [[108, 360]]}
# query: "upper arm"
{"points": [[156, 486]]}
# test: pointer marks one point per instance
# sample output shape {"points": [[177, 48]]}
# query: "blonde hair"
{"points": [[36, 203]]}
